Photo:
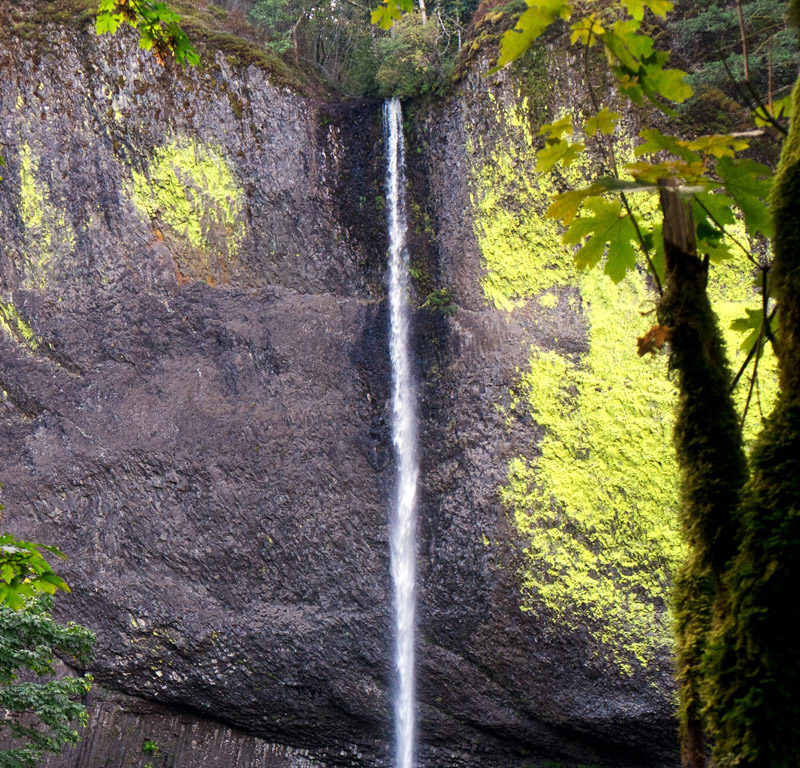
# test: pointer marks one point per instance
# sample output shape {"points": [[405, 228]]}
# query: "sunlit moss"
{"points": [[15, 325], [190, 189], [595, 501], [597, 505], [521, 248], [48, 237]]}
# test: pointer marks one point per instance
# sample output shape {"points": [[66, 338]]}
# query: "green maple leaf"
{"points": [[714, 204], [711, 241], [560, 151], [627, 46], [711, 213], [655, 141], [608, 230], [539, 15], [749, 183], [557, 129], [565, 206], [669, 83], [107, 22], [751, 325], [718, 145], [386, 14], [654, 242], [779, 108], [636, 7], [604, 121]]}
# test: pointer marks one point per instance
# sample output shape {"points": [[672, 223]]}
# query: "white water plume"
{"points": [[404, 437]]}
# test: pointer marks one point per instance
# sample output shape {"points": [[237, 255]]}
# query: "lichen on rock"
{"points": [[596, 505], [594, 500], [49, 239], [190, 190]]}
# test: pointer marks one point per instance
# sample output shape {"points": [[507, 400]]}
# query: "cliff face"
{"points": [[195, 382]]}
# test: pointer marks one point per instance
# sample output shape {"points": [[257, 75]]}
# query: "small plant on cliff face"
{"points": [[441, 300], [150, 747], [40, 714]]}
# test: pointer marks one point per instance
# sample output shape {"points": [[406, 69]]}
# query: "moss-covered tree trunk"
{"points": [[753, 664], [713, 467]]}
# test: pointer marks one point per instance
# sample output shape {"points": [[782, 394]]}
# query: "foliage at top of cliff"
{"points": [[210, 28]]}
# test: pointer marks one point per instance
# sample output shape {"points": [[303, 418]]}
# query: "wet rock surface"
{"points": [[195, 410]]}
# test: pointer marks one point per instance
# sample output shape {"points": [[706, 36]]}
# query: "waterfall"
{"points": [[404, 437]]}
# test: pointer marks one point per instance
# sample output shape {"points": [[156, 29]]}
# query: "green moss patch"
{"points": [[191, 191], [49, 239], [16, 326], [594, 502], [521, 248], [597, 505]]}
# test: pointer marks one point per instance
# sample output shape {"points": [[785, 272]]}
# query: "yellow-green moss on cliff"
{"points": [[15, 325], [190, 189], [521, 248], [596, 505], [594, 502], [49, 239]]}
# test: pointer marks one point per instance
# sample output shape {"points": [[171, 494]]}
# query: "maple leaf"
{"points": [[607, 230], [636, 7], [718, 145], [651, 173], [749, 183], [387, 13], [107, 22], [779, 108], [565, 206], [586, 31], [556, 130], [556, 152], [654, 339], [604, 121], [655, 141], [669, 83], [539, 15], [751, 325]]}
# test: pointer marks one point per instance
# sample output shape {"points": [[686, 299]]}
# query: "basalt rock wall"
{"points": [[195, 382]]}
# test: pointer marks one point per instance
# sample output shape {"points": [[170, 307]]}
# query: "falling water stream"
{"points": [[404, 437]]}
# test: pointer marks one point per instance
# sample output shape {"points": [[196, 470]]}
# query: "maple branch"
{"points": [[754, 377], [612, 161], [754, 97]]}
